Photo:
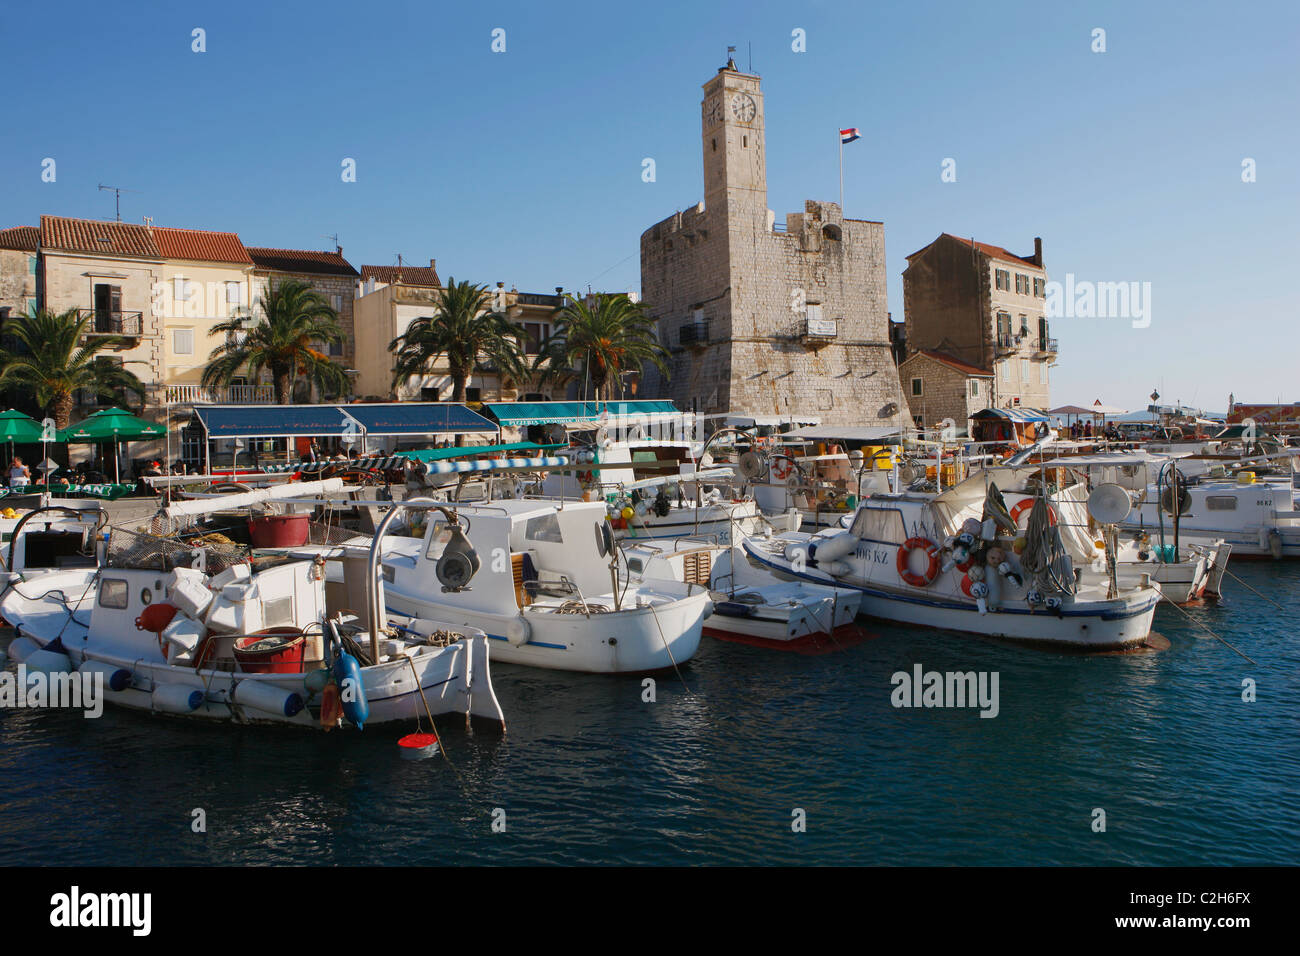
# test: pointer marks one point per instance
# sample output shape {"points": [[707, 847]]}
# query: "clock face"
{"points": [[713, 111], [743, 108]]}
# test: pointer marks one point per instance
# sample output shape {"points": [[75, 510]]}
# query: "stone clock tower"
{"points": [[764, 319], [735, 167]]}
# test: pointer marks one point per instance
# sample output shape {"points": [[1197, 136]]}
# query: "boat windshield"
{"points": [[879, 524]]}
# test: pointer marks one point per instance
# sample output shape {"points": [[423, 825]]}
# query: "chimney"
{"points": [[433, 263], [1038, 251]]}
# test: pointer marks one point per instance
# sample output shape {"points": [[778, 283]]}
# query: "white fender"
{"points": [[115, 678], [835, 568], [268, 698], [49, 662], [518, 632], [176, 698], [21, 648], [833, 547]]}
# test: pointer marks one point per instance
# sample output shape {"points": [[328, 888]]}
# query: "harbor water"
{"points": [[717, 770]]}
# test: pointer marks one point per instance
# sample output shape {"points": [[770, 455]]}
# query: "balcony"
{"points": [[693, 335], [230, 395], [105, 322], [1046, 347], [1006, 342], [818, 332]]}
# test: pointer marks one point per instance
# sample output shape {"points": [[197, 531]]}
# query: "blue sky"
{"points": [[525, 166]]}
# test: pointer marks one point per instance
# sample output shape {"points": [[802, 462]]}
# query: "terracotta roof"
{"points": [[91, 235], [407, 275], [954, 363], [199, 245], [995, 252], [27, 238], [301, 260]]}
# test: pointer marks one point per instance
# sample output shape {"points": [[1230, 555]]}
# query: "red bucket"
{"points": [[279, 531], [276, 650]]}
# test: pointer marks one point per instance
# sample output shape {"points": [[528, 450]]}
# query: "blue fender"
{"points": [[352, 692]]}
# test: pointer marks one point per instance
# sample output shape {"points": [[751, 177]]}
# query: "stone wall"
{"points": [[17, 284]]}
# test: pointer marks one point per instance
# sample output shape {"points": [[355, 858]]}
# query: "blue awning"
{"points": [[1013, 414], [335, 421], [420, 418], [518, 414]]}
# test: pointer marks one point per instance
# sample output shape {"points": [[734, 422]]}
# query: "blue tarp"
{"points": [[322, 421]]}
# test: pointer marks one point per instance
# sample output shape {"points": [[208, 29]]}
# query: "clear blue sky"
{"points": [[526, 166]]}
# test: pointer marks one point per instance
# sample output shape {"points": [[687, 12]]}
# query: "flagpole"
{"points": [[841, 137]]}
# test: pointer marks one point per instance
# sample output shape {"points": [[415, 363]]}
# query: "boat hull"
{"points": [[1100, 626]]}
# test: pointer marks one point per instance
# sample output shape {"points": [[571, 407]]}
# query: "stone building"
{"points": [[941, 388], [390, 298], [764, 317], [19, 270], [107, 271], [328, 273], [983, 306]]}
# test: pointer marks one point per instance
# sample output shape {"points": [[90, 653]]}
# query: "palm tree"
{"points": [[54, 363], [462, 328], [611, 334], [295, 320]]}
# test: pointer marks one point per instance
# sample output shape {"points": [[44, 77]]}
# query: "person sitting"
{"points": [[20, 476]]}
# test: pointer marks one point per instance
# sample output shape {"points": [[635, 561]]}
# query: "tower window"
{"points": [[832, 231], [715, 144], [744, 142]]}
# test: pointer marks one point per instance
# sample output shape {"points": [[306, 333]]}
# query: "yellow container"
{"points": [[1245, 477]]}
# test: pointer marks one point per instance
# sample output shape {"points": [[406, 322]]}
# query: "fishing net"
{"points": [[133, 549]]}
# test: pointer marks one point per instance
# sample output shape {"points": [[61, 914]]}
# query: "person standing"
{"points": [[20, 476]]}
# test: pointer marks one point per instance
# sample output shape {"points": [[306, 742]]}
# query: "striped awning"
{"points": [[1013, 414], [387, 462]]}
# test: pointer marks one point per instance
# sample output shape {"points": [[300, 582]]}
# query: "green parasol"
{"points": [[115, 425]]}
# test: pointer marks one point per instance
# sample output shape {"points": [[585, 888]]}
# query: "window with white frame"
{"points": [[974, 388], [182, 341], [234, 293], [181, 289], [337, 302], [1024, 370], [1042, 373]]}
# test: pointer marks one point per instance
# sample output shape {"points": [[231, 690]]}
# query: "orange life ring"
{"points": [[781, 468], [905, 566], [1025, 505]]}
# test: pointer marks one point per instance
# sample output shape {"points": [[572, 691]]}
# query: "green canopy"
{"points": [[115, 425], [19, 428], [467, 451], [111, 424]]}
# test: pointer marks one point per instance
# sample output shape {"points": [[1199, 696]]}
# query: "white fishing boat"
{"points": [[656, 489], [958, 561], [204, 630], [1256, 516], [750, 605], [45, 537], [1186, 571], [552, 594]]}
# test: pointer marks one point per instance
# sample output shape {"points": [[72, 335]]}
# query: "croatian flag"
{"points": [[849, 135]]}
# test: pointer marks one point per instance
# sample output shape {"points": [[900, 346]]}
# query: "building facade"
{"points": [[390, 298], [207, 279], [983, 306], [761, 317], [327, 273], [942, 389]]}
